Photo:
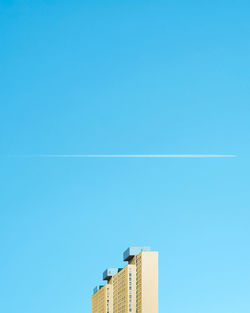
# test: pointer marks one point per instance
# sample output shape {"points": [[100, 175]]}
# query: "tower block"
{"points": [[132, 289]]}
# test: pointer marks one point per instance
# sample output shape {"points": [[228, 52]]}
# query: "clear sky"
{"points": [[124, 77]]}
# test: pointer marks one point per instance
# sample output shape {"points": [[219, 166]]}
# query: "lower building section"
{"points": [[102, 300]]}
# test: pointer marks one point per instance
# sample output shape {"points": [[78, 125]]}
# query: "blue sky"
{"points": [[124, 77]]}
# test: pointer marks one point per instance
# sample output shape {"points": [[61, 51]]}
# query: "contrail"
{"points": [[126, 155]]}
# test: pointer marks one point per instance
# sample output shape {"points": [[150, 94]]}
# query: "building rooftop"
{"points": [[109, 272], [132, 251], [97, 288]]}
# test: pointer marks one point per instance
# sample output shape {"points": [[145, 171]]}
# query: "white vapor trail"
{"points": [[127, 156]]}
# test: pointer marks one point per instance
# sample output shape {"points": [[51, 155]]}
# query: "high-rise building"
{"points": [[132, 289]]}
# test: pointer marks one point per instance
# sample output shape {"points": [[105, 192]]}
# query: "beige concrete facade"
{"points": [[102, 300], [147, 282], [133, 289], [124, 290]]}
